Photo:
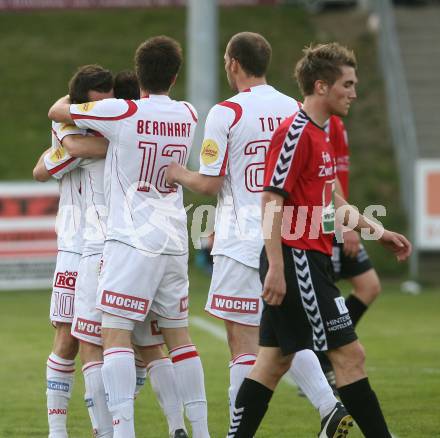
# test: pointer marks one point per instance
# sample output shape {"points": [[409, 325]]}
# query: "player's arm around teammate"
{"points": [[143, 135]]}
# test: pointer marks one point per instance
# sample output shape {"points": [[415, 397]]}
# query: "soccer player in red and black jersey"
{"points": [[303, 307]]}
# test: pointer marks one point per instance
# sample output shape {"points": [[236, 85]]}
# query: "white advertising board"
{"points": [[427, 204], [28, 245]]}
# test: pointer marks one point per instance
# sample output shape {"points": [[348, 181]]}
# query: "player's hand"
{"points": [[397, 244], [274, 289], [172, 172], [352, 243]]}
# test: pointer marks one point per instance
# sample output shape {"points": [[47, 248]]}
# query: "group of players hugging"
{"points": [[279, 169]]}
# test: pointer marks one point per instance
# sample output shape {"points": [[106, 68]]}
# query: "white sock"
{"points": [[60, 376], [163, 382], [190, 382], [307, 373], [239, 369], [96, 401], [119, 377], [141, 376]]}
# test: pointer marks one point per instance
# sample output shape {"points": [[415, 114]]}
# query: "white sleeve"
{"points": [[103, 116], [58, 162], [214, 152]]}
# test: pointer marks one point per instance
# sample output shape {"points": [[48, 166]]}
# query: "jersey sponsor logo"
{"points": [[58, 386], [124, 302], [340, 304], [236, 305], [328, 207], [57, 155], [66, 280], [184, 303], [155, 330], [86, 327], [210, 151], [85, 107], [57, 411]]}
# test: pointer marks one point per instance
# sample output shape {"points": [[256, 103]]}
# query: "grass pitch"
{"points": [[400, 333]]}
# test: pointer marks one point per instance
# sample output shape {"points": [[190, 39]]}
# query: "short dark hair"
{"points": [[322, 62], [126, 85], [252, 51], [157, 62], [88, 78]]}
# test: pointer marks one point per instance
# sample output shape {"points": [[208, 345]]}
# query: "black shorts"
{"points": [[349, 267], [313, 313]]}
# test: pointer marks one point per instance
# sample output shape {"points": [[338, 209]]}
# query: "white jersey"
{"points": [[145, 135], [237, 134], [93, 207], [65, 169]]}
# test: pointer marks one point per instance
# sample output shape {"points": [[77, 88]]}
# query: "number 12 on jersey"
{"points": [[153, 165]]}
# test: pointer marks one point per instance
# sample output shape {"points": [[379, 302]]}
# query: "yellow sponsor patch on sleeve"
{"points": [[57, 155], [209, 152], [67, 127], [85, 107]]}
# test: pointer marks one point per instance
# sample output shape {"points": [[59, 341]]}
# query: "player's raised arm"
{"points": [[60, 110]]}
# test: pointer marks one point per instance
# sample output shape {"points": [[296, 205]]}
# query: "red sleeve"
{"points": [[339, 140], [286, 157]]}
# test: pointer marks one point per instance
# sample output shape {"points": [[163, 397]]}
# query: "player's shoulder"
{"points": [[61, 130], [228, 111], [188, 107], [113, 109], [337, 122]]}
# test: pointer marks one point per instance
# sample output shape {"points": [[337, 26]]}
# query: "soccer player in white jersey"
{"points": [[86, 325], [90, 83], [237, 134], [145, 255]]}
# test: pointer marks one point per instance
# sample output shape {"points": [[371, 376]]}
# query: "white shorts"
{"points": [[134, 282], [235, 292], [63, 289], [87, 318]]}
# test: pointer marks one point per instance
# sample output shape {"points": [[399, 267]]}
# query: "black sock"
{"points": [[362, 404], [356, 308], [250, 406]]}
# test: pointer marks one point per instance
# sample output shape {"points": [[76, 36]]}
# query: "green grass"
{"points": [[400, 334], [41, 50]]}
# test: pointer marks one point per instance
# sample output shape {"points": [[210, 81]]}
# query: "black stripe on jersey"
{"points": [[288, 150]]}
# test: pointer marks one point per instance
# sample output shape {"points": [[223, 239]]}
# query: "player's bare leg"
{"points": [[163, 381], [366, 288], [95, 398], [119, 374], [256, 391], [189, 377], [354, 389], [60, 376]]}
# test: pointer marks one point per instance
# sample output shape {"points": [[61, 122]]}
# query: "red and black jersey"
{"points": [[339, 139], [300, 165]]}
